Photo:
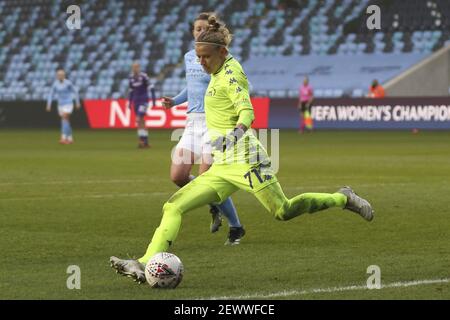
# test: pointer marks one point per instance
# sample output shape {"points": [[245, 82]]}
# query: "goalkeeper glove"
{"points": [[227, 142]]}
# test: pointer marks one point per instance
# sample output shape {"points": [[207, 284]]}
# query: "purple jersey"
{"points": [[138, 88]]}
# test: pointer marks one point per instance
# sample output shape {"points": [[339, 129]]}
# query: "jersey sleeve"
{"points": [[239, 95], [130, 90], [152, 91], [50, 95], [238, 90], [181, 97], [146, 80], [75, 92]]}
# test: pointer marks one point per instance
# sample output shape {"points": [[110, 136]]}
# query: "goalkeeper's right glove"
{"points": [[227, 142]]}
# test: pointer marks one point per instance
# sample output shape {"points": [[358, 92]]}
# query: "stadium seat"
{"points": [[120, 32]]}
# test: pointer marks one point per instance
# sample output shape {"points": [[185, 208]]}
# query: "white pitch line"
{"points": [[150, 193], [327, 290], [89, 196], [366, 185], [57, 182], [71, 182]]}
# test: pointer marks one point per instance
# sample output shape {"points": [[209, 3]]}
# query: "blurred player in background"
{"points": [[64, 92], [305, 100], [240, 160], [376, 90], [194, 144], [138, 98]]}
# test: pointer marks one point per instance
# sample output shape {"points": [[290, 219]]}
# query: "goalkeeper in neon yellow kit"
{"points": [[240, 161]]}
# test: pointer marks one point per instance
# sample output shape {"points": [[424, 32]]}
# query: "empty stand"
{"points": [[113, 34]]}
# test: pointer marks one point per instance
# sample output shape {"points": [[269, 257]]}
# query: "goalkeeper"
{"points": [[240, 161]]}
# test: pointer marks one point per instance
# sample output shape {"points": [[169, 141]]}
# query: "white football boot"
{"points": [[130, 268], [357, 204]]}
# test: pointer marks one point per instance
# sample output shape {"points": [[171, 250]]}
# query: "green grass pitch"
{"points": [[80, 204]]}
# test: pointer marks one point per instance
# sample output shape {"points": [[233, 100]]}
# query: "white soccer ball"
{"points": [[164, 270]]}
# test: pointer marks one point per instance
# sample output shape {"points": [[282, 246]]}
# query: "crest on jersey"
{"points": [[211, 92]]}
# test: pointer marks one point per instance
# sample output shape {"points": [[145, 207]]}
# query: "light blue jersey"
{"points": [[197, 82], [64, 92]]}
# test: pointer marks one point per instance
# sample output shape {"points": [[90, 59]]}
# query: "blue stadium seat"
{"points": [[117, 33]]}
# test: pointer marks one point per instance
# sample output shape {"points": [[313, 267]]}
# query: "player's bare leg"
{"points": [[180, 170], [66, 129]]}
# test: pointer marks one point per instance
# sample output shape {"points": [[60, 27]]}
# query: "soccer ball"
{"points": [[164, 270]]}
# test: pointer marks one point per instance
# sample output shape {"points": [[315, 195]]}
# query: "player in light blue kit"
{"points": [[195, 144], [64, 92]]}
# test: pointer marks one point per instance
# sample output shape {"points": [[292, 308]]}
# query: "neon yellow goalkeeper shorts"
{"points": [[226, 179]]}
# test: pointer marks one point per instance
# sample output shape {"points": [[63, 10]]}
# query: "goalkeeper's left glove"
{"points": [[227, 142]]}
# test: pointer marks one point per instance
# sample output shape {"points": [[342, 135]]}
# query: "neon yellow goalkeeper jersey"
{"points": [[227, 94]]}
